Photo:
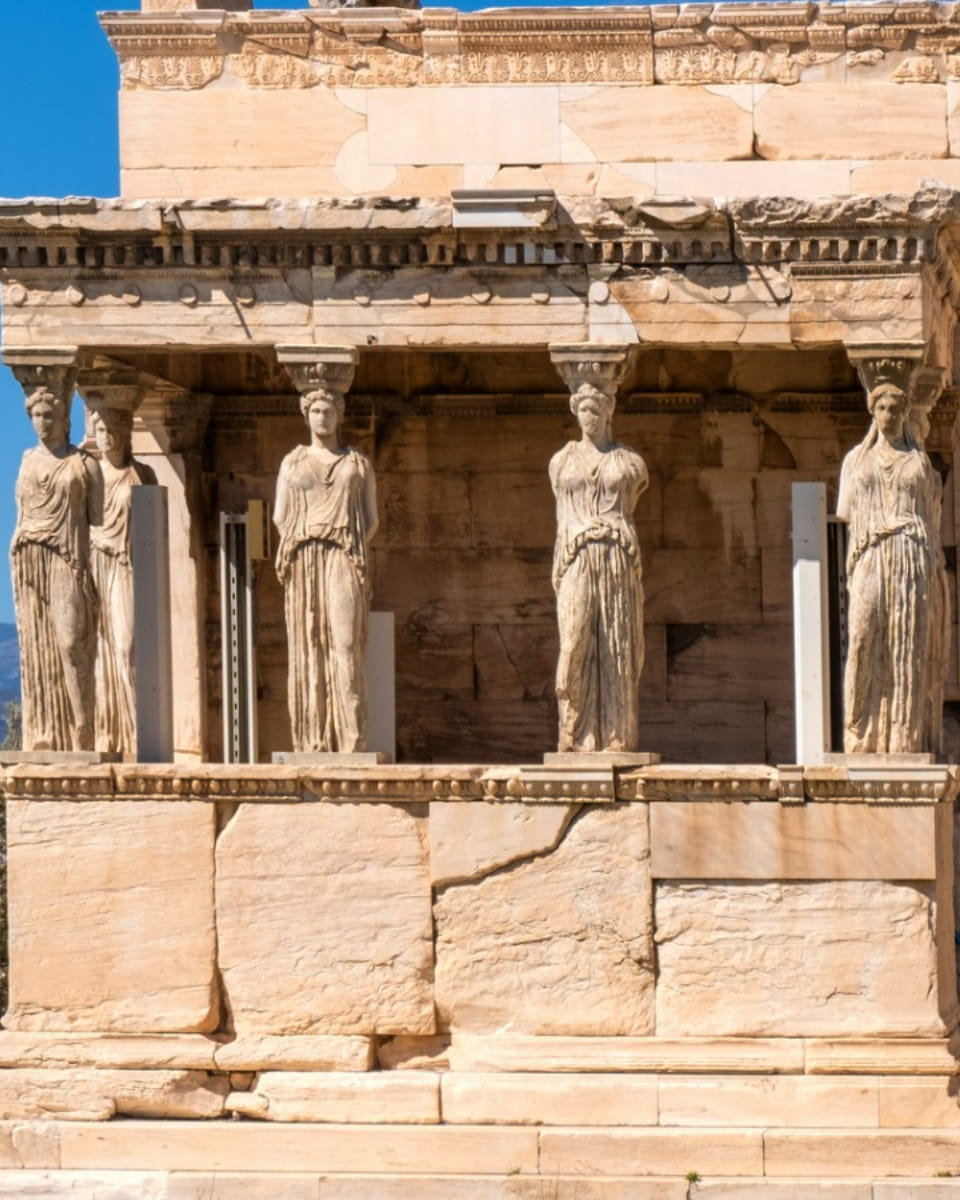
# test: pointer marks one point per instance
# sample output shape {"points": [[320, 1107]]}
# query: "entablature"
{"points": [[771, 272]]}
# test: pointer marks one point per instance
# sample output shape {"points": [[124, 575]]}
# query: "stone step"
{"points": [[183, 1185], [510, 1152]]}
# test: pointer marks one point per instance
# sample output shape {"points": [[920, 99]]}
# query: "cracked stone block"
{"points": [[560, 943], [470, 840], [324, 922], [99, 1095], [796, 959]]}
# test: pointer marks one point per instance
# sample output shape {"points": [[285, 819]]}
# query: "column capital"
{"points": [[51, 367], [312, 367], [587, 363], [895, 363], [110, 387], [928, 385]]}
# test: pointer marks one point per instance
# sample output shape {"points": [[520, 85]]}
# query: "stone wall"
{"points": [[764, 99], [408, 944]]}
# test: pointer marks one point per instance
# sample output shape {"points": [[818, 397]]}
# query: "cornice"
{"points": [[782, 43], [114, 239]]}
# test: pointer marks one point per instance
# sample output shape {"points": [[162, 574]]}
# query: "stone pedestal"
{"points": [[534, 974]]}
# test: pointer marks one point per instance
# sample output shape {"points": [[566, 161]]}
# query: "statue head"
{"points": [[112, 427], [49, 413], [322, 409], [593, 409], [887, 403]]}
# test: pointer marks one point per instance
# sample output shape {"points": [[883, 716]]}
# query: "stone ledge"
{"points": [[182, 1185], [221, 1185], [719, 1055], [525, 783], [119, 1052], [251, 1146]]}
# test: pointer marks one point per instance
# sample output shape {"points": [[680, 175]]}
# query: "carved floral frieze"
{"points": [[171, 71], [702, 44]]}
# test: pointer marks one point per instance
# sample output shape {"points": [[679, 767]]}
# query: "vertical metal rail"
{"points": [[237, 640], [837, 607]]}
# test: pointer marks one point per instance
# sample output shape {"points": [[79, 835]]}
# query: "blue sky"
{"points": [[58, 88]]}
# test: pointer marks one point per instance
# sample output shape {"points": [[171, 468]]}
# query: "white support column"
{"points": [[153, 667], [381, 685], [811, 663], [167, 435]]}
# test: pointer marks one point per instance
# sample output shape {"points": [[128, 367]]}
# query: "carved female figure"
{"points": [[59, 496], [891, 496], [113, 578], [598, 581], [326, 512]]}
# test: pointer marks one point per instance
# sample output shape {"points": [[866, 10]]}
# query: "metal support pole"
{"points": [[811, 661], [151, 620]]}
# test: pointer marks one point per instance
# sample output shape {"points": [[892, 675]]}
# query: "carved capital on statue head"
{"points": [[120, 388], [50, 369], [319, 369], [585, 364], [113, 394], [928, 385], [893, 364]]}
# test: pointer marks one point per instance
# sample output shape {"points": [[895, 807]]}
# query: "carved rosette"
{"points": [[319, 368], [583, 364]]}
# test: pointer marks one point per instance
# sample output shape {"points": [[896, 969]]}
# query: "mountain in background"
{"points": [[9, 671]]}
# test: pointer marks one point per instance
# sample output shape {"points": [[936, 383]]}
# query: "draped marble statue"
{"points": [[898, 608], [112, 570], [597, 577], [59, 497], [326, 513]]}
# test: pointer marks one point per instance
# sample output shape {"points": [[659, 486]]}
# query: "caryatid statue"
{"points": [[111, 425], [326, 513], [59, 496], [597, 572], [891, 496]]}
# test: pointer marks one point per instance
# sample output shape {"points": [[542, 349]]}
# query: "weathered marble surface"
{"points": [[323, 920], [559, 944], [111, 917], [99, 1095], [401, 1098], [756, 959]]}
